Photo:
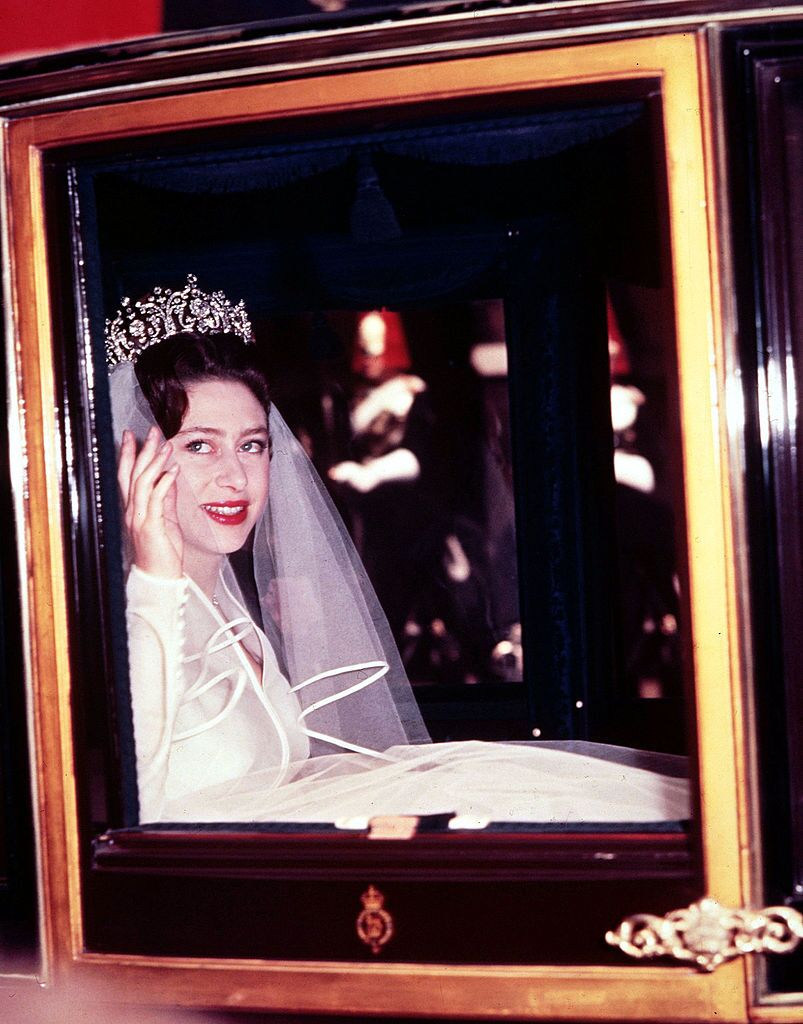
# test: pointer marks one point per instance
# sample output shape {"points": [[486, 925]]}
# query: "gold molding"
{"points": [[430, 991], [707, 934]]}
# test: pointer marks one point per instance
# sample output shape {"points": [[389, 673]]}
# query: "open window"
{"points": [[432, 306], [532, 257]]}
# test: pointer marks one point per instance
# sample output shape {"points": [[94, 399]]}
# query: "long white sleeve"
{"points": [[156, 634]]}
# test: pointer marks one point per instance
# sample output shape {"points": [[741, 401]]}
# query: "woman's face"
{"points": [[222, 452]]}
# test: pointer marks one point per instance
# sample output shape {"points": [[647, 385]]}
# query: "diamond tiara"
{"points": [[164, 313]]}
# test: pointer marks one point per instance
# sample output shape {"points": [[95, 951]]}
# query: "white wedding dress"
{"points": [[217, 742]]}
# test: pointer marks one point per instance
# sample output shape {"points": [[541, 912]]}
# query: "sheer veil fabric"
{"points": [[332, 731]]}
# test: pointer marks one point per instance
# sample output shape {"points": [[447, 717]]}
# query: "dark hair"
{"points": [[166, 370]]}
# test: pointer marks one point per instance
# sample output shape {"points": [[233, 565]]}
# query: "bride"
{"points": [[275, 692]]}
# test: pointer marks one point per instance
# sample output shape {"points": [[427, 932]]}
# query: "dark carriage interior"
{"points": [[544, 596]]}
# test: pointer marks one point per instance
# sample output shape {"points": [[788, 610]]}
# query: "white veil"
{"points": [[371, 751], [318, 608], [336, 644]]}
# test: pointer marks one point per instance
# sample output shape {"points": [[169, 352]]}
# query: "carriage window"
{"points": [[451, 577]]}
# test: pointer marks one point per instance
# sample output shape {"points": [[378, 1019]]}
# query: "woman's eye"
{"points": [[253, 447], [198, 447]]}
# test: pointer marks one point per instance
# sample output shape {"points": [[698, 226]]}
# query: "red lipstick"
{"points": [[228, 513]]}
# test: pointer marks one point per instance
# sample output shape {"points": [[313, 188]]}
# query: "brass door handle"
{"points": [[706, 934]]}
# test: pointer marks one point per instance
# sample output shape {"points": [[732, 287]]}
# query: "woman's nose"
{"points": [[230, 472]]}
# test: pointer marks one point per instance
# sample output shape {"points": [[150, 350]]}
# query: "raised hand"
{"points": [[148, 489]]}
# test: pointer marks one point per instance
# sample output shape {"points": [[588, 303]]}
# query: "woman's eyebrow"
{"points": [[201, 430], [217, 432]]}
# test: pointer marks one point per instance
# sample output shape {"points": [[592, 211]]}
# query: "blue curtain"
{"points": [[478, 143]]}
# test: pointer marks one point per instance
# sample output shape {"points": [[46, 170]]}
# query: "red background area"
{"points": [[41, 26]]}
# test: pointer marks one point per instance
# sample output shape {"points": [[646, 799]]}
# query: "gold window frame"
{"points": [[632, 991]]}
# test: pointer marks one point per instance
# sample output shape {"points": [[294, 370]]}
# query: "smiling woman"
{"points": [[210, 698], [297, 708], [221, 475]]}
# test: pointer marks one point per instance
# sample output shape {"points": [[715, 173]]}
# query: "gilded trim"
{"points": [[707, 934]]}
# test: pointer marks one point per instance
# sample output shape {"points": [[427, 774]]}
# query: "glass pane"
{"points": [[411, 433], [457, 321]]}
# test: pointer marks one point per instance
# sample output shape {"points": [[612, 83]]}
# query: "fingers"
{"points": [[148, 489], [148, 471], [163, 494], [131, 464], [138, 473], [169, 509], [125, 464]]}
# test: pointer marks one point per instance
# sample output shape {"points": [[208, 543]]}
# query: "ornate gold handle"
{"points": [[374, 923], [707, 934]]}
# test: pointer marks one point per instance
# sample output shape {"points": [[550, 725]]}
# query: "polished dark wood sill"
{"points": [[453, 856], [505, 897]]}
